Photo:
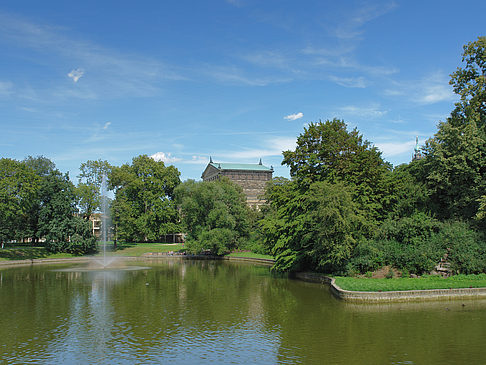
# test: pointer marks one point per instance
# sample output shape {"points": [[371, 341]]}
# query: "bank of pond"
{"points": [[361, 283]]}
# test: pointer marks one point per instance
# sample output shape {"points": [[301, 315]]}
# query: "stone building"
{"points": [[251, 177]]}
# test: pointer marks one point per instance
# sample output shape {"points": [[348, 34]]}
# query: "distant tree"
{"points": [[327, 151], [143, 209], [88, 199], [88, 191], [215, 215], [456, 156], [18, 190], [92, 172]]}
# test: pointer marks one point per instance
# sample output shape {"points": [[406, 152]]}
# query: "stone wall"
{"points": [[393, 296]]}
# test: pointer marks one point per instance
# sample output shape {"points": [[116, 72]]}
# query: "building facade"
{"points": [[251, 177]]}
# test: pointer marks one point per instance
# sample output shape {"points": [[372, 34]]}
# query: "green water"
{"points": [[201, 312]]}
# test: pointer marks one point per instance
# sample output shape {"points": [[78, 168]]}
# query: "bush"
{"points": [[466, 248]]}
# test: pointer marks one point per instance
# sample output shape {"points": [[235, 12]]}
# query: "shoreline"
{"points": [[339, 293], [392, 296]]}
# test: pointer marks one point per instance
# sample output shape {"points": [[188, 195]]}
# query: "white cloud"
{"points": [[76, 74], [107, 124], [354, 82], [390, 149], [166, 158], [294, 116]]}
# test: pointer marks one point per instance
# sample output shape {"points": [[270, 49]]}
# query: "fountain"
{"points": [[106, 262]]}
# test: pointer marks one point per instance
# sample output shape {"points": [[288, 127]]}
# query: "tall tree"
{"points": [[143, 209], [456, 155], [329, 152]]}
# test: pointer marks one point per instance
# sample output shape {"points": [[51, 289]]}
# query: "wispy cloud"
{"points": [[107, 124], [234, 75], [114, 73], [351, 27], [353, 82], [76, 74], [431, 89], [369, 111], [294, 116], [275, 146], [6, 88]]}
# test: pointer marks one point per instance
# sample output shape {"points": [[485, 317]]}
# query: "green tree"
{"points": [[456, 156], [215, 215], [144, 209], [311, 230], [89, 187], [18, 190], [329, 152]]}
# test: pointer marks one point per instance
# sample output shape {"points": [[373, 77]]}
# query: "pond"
{"points": [[175, 311]]}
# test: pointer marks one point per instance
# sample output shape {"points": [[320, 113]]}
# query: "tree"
{"points": [[328, 152], [312, 230], [90, 182], [456, 156], [143, 209], [215, 215], [18, 190]]}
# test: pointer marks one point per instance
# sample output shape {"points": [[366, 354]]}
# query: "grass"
{"points": [[422, 283], [250, 255], [138, 249], [29, 253]]}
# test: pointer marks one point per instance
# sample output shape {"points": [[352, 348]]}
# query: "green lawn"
{"points": [[29, 253], [138, 249], [422, 283], [250, 255]]}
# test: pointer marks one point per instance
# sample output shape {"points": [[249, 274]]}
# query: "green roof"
{"points": [[240, 166]]}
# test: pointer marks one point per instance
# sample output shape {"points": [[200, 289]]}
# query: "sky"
{"points": [[237, 80]]}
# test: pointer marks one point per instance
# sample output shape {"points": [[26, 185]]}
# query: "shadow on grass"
{"points": [[24, 253]]}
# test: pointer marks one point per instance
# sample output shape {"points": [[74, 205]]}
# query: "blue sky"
{"points": [[233, 79]]}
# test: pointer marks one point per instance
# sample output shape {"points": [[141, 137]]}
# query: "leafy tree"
{"points": [[88, 199], [18, 189], [329, 152], [311, 230], [92, 172], [456, 156], [89, 187], [215, 215], [143, 209]]}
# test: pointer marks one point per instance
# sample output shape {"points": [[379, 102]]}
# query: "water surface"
{"points": [[185, 312]]}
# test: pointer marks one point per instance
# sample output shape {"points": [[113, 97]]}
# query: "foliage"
{"points": [[18, 190], [72, 236], [311, 230], [329, 152], [143, 209], [456, 156], [88, 199], [214, 214]]}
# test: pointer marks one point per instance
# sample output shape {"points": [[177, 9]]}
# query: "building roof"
{"points": [[240, 166]]}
